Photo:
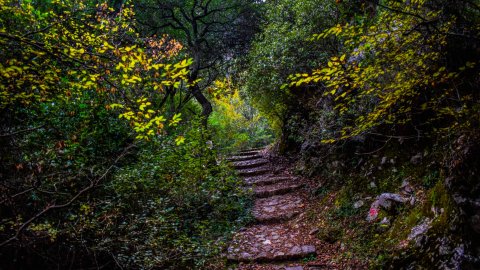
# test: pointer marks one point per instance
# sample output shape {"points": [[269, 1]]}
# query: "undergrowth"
{"points": [[344, 196]]}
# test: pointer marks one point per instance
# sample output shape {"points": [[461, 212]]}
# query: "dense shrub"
{"points": [[173, 207]]}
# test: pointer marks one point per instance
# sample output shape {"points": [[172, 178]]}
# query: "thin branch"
{"points": [[383, 146], [21, 131], [400, 11], [69, 202]]}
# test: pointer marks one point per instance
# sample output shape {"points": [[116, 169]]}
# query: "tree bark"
{"points": [[195, 89], [204, 102]]}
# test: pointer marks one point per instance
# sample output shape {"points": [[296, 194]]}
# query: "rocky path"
{"points": [[277, 239]]}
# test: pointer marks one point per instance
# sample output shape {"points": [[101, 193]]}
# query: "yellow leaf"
{"points": [[179, 140]]}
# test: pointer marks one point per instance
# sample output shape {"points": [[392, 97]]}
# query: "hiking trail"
{"points": [[279, 238]]}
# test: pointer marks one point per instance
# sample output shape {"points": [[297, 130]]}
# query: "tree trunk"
{"points": [[204, 102], [195, 89]]}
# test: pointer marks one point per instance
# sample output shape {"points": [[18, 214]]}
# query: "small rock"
{"points": [[210, 144], [444, 247], [358, 204], [267, 242], [309, 249], [245, 256], [384, 161], [458, 257], [373, 185], [418, 231], [415, 160], [296, 250], [412, 201], [383, 201], [406, 187]]}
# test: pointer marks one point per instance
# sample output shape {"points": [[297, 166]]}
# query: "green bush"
{"points": [[174, 207]]}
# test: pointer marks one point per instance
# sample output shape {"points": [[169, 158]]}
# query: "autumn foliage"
{"points": [[393, 68]]}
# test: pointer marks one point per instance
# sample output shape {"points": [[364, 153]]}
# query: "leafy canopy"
{"points": [[390, 69], [61, 49]]}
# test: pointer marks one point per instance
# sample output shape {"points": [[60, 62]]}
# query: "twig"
{"points": [[369, 153]]}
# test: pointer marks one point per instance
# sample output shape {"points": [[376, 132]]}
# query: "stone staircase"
{"points": [[275, 240]]}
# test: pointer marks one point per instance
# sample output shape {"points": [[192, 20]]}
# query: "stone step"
{"points": [[279, 188], [270, 243], [274, 266], [243, 158], [258, 149], [264, 180], [254, 171], [249, 164], [248, 153], [278, 208]]}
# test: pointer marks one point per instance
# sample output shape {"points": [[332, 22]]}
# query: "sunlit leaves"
{"points": [[179, 140], [61, 54], [385, 68], [175, 120], [234, 121]]}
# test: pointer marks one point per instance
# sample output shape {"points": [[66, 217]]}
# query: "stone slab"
{"points": [[254, 171], [248, 164], [267, 180], [276, 189], [278, 208], [243, 158], [268, 243]]}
